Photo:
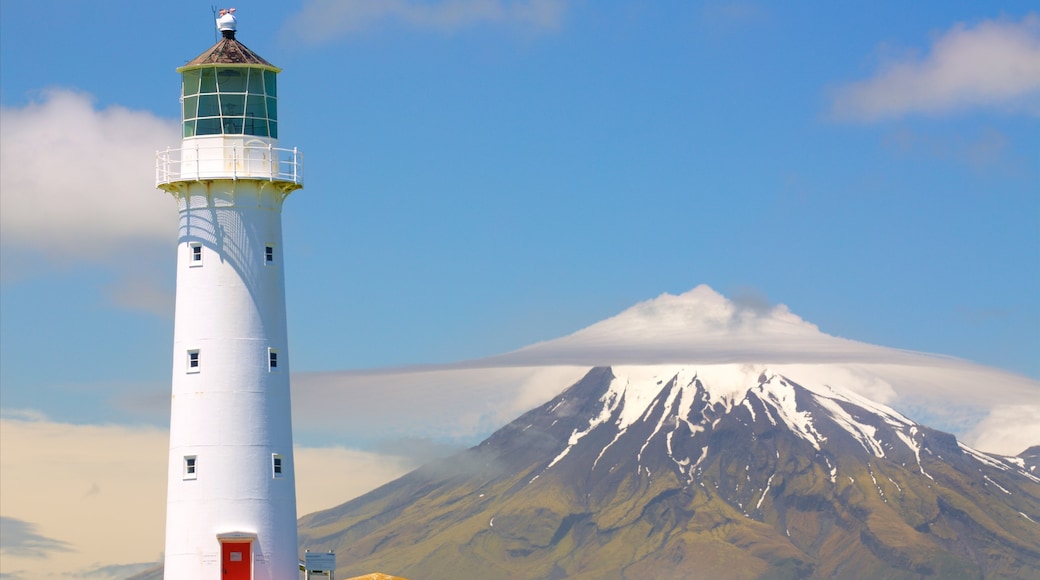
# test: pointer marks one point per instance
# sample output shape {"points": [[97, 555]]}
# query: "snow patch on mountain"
{"points": [[701, 396]]}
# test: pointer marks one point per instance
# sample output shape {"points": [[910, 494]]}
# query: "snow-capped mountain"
{"points": [[700, 471]]}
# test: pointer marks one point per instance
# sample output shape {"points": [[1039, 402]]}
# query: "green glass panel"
{"points": [[208, 106], [190, 82], [270, 84], [274, 128], [231, 80], [255, 106], [257, 127], [232, 105], [256, 81], [272, 109], [191, 106], [208, 82], [208, 127], [232, 126], [189, 128]]}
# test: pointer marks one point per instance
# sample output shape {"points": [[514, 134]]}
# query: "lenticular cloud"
{"points": [[700, 326], [698, 329]]}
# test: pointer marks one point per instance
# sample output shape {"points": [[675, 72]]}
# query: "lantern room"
{"points": [[229, 100]]}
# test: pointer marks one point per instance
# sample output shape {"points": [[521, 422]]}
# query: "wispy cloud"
{"points": [[994, 64], [728, 15], [116, 571], [20, 538], [325, 20], [985, 150]]}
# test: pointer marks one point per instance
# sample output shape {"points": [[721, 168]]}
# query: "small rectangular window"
{"points": [[269, 254], [272, 359], [190, 467], [276, 465], [193, 361], [195, 249]]}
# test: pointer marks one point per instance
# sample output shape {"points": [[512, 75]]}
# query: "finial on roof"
{"points": [[227, 23]]}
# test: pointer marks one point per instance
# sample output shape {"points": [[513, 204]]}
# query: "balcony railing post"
{"points": [[295, 161]]}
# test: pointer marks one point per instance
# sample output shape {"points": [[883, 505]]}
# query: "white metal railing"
{"points": [[228, 161]]}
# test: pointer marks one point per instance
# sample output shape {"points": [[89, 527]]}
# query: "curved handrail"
{"points": [[203, 162]]}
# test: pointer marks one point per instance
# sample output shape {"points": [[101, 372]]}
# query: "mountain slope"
{"points": [[707, 472]]}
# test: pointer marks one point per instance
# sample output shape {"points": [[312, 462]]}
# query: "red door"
{"points": [[236, 560]]}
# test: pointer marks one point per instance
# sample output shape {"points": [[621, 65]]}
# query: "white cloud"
{"points": [[324, 20], [994, 64], [1010, 428], [78, 182]]}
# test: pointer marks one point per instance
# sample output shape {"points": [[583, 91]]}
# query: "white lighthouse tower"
{"points": [[231, 498]]}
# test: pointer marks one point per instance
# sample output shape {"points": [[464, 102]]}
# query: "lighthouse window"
{"points": [[256, 83], [196, 253], [255, 107], [191, 107], [193, 361], [256, 127], [269, 254], [272, 359], [270, 84], [208, 127], [190, 82], [276, 465], [190, 467], [229, 101], [232, 105], [231, 80], [209, 81], [208, 106]]}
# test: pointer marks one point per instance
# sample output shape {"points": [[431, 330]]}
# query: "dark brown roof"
{"points": [[228, 51]]}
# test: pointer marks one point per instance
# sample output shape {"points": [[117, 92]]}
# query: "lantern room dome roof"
{"points": [[228, 51]]}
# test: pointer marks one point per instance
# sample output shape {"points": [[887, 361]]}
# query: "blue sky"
{"points": [[485, 174]]}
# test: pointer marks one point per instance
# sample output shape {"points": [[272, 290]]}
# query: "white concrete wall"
{"points": [[238, 156], [234, 413]]}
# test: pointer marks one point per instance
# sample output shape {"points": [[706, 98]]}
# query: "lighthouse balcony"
{"points": [[223, 160]]}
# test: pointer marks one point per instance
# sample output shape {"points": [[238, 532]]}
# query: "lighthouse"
{"points": [[231, 497]]}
